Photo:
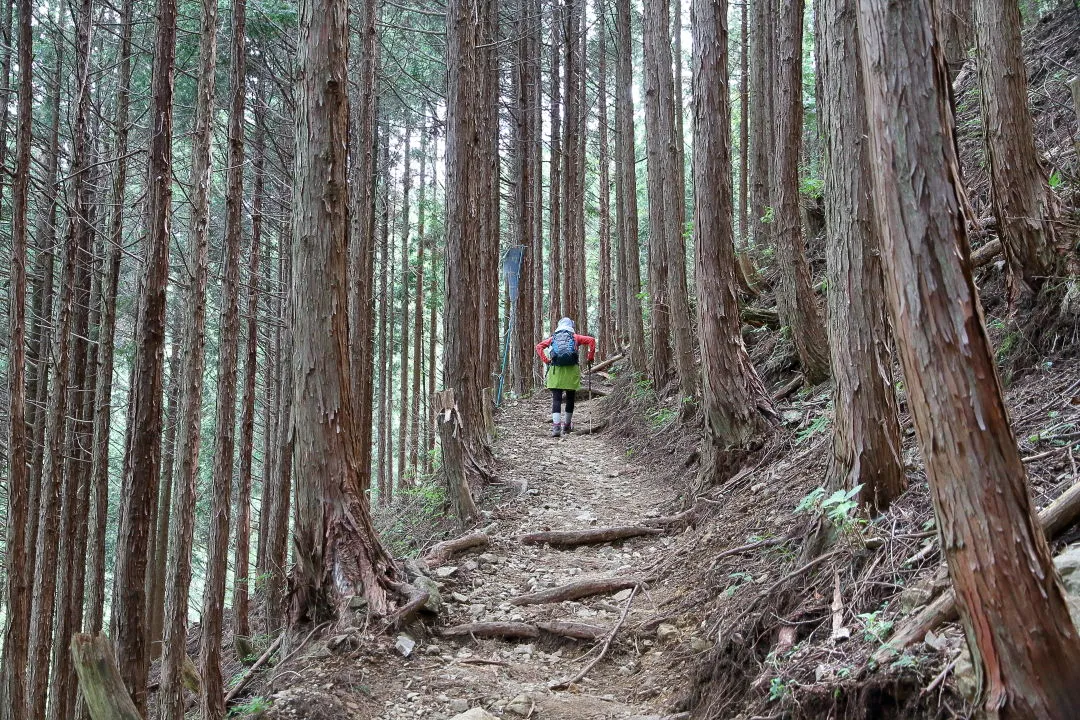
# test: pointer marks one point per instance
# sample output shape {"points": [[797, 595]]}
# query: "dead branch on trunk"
{"points": [[578, 590], [594, 536], [761, 317], [442, 552]]}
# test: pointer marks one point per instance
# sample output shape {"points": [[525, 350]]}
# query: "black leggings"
{"points": [[557, 400]]}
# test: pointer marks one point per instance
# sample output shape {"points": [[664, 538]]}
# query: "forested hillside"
{"points": [[299, 298]]}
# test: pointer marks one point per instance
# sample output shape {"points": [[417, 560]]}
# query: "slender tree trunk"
{"points": [[524, 205], [608, 343], [17, 628], [744, 125], [957, 33], [158, 571], [1023, 202], [760, 122], [738, 411], [241, 626], [1011, 604], [866, 437], [217, 561], [129, 602], [171, 698], [466, 452], [795, 298], [555, 223], [573, 181], [277, 534], [37, 416], [433, 336], [362, 243], [72, 531], [335, 542], [418, 314], [626, 187], [386, 324], [99, 494], [406, 224]]}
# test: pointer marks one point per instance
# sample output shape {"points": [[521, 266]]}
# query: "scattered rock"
{"points": [[700, 644], [522, 705], [459, 705], [475, 714], [666, 631], [1068, 566], [404, 645], [357, 602], [622, 595], [445, 571], [434, 602]]}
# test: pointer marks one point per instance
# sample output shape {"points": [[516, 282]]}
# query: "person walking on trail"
{"points": [[564, 372]]}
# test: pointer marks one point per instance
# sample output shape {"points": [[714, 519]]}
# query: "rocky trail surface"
{"points": [[506, 646]]}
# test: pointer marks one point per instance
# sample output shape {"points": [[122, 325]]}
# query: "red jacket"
{"points": [[579, 339]]}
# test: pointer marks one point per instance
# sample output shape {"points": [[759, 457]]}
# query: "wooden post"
{"points": [[99, 678]]}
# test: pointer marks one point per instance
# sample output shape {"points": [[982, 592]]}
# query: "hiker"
{"points": [[564, 373]]}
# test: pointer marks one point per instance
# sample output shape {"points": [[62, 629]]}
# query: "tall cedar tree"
{"points": [[573, 175], [795, 298], [418, 312], [659, 126], [403, 363], [217, 561], [466, 451], [557, 291], [337, 551], [171, 705], [629, 249], [737, 408], [1010, 602], [241, 627], [760, 122], [99, 495], [17, 630], [362, 239], [604, 300], [1023, 202], [866, 435], [524, 206], [136, 524]]}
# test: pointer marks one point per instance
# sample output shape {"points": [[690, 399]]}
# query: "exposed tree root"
{"points": [[577, 631], [442, 552], [595, 536], [577, 590]]}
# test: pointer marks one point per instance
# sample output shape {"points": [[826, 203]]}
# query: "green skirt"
{"points": [[564, 377]]}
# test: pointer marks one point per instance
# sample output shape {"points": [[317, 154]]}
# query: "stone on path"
{"points": [[475, 714]]}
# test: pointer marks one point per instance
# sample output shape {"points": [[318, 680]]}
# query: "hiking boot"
{"points": [[556, 430], [567, 428]]}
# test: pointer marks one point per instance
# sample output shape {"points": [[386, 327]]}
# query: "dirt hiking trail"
{"points": [[578, 482]]}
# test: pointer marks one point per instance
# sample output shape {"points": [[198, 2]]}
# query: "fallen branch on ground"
{"points": [[749, 546], [577, 590], [761, 317], [441, 552], [789, 388], [603, 650], [601, 366], [985, 254], [577, 631], [492, 630], [595, 536], [1054, 519], [415, 601], [686, 517], [247, 676]]}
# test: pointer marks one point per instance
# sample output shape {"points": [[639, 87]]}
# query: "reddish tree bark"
{"points": [[17, 629], [866, 436], [336, 549], [1017, 624], [129, 602], [737, 407]]}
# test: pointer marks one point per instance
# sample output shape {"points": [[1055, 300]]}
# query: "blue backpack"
{"points": [[563, 348]]}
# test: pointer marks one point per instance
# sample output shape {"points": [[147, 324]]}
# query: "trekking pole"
{"points": [[590, 394]]}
